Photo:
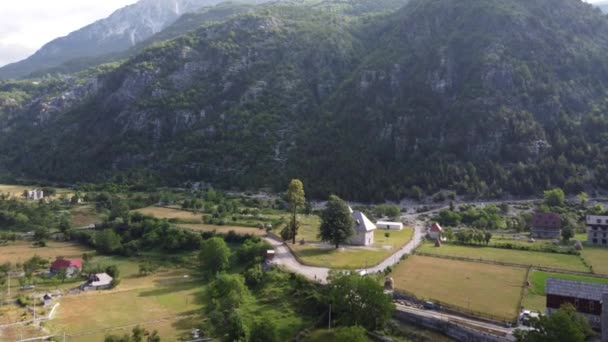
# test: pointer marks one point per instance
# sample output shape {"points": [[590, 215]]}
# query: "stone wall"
{"points": [[450, 329]]}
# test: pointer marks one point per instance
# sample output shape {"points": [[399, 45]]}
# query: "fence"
{"points": [[500, 263]]}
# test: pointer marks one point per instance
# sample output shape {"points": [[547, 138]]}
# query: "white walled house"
{"points": [[389, 225], [364, 230], [35, 195]]}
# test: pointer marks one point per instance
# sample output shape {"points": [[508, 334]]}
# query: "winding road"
{"points": [[285, 258]]}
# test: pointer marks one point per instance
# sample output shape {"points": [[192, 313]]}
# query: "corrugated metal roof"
{"points": [[575, 289]]}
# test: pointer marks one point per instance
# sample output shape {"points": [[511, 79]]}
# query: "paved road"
{"points": [[284, 257]]}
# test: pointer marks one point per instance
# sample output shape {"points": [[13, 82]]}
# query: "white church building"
{"points": [[364, 230]]}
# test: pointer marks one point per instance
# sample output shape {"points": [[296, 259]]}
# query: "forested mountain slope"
{"points": [[367, 99]]}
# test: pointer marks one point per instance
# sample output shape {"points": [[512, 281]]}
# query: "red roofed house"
{"points": [[546, 226], [71, 266], [435, 232]]}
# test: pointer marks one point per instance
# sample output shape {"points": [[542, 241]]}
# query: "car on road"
{"points": [[429, 306]]}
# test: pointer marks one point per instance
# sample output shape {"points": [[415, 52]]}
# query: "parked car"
{"points": [[429, 306], [27, 287]]}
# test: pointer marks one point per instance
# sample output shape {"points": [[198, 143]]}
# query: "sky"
{"points": [[26, 25]]}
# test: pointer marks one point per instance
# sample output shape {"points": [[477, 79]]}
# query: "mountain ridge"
{"points": [[372, 105], [123, 29]]}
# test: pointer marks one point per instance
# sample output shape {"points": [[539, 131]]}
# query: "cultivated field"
{"points": [[528, 258], [468, 285], [20, 251], [168, 213], [596, 257], [535, 295], [354, 257], [223, 229]]}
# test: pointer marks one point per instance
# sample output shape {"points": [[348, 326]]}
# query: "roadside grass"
{"points": [[201, 227], [526, 258], [353, 257], [535, 298], [84, 215], [491, 290], [596, 257]]}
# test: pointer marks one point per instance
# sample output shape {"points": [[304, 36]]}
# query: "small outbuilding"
{"points": [[389, 225], [47, 299], [435, 232], [98, 281]]}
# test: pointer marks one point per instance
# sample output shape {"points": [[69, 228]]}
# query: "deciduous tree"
{"points": [[359, 300], [214, 255], [336, 222], [296, 197]]}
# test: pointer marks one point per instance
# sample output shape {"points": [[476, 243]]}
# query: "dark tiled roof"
{"points": [[547, 220], [575, 289]]}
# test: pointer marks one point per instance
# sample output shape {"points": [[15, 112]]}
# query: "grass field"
{"points": [[168, 213], [223, 229], [596, 257], [309, 227], [165, 301], [20, 251], [327, 256], [535, 295], [84, 215], [469, 285], [539, 259]]}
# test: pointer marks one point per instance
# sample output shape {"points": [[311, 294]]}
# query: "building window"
{"points": [[603, 241], [591, 306], [594, 228], [594, 240], [599, 221], [576, 302]]}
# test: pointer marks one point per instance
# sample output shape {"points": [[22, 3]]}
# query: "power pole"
{"points": [[329, 327]]}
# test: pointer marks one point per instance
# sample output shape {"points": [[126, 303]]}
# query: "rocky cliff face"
{"points": [[120, 31], [365, 100]]}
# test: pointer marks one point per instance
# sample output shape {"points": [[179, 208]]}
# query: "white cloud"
{"points": [[26, 25]]}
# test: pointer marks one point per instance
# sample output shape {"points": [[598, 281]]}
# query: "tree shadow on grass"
{"points": [[163, 290]]}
